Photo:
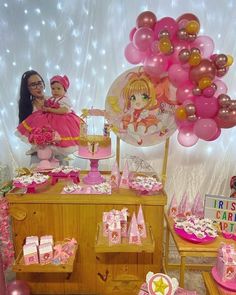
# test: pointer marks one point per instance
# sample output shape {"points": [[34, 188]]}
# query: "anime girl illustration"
{"points": [[143, 111]]}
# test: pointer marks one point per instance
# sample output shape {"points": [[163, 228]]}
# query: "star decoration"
{"points": [[160, 286]]}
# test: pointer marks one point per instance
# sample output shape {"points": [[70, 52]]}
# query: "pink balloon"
{"points": [[155, 64], [131, 34], [187, 137], [208, 92], [205, 68], [221, 87], [205, 44], [18, 287], [225, 123], [214, 137], [205, 128], [155, 46], [143, 38], [187, 17], [166, 23], [206, 107], [185, 123], [146, 19], [133, 55], [184, 92], [177, 75], [178, 46]]}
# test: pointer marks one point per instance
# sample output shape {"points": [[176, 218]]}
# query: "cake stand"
{"points": [[94, 176]]}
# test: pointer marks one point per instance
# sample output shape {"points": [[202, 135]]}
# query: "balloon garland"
{"points": [[174, 47]]}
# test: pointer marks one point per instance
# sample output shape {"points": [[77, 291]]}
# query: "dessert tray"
{"points": [[102, 188], [65, 172], [226, 285], [192, 237], [31, 182], [145, 185], [195, 230]]}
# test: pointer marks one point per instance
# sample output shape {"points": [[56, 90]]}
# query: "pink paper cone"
{"points": [[173, 207], [187, 207], [141, 223], [124, 182], [134, 236], [182, 204], [195, 202], [115, 176], [200, 208]]}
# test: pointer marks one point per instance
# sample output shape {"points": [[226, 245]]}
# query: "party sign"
{"points": [[140, 109], [222, 210]]}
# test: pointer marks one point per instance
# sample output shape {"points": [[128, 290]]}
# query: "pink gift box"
{"points": [[45, 253], [30, 254], [32, 239]]}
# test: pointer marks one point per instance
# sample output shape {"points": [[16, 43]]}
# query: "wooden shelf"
{"points": [[20, 266], [102, 244]]}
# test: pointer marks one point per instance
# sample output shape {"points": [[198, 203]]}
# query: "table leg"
{"points": [[182, 271], [167, 248]]}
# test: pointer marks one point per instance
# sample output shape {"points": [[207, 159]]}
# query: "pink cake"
{"points": [[95, 146], [226, 264]]}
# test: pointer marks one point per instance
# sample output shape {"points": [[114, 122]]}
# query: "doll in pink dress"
{"points": [[57, 113]]}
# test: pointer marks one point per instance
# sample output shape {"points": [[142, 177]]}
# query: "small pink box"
{"points": [[45, 253], [46, 239], [30, 254], [32, 239]]}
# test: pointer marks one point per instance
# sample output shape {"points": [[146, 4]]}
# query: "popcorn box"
{"points": [[45, 253], [46, 239], [114, 233], [30, 254], [32, 239]]}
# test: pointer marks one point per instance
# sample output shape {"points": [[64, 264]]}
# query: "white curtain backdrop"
{"points": [[85, 39]]}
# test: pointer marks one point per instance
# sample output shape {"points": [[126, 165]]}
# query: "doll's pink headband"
{"points": [[64, 81]]}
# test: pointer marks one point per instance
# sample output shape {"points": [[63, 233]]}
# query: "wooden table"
{"points": [[212, 287], [67, 216], [188, 249]]}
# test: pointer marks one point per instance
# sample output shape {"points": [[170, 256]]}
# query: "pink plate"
{"points": [[226, 285], [192, 238]]}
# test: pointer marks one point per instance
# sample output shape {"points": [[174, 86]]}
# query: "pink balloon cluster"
{"points": [[173, 46]]}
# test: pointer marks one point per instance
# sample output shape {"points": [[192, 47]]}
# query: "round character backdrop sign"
{"points": [[140, 109]]}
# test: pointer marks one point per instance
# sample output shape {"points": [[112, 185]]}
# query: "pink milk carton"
{"points": [[45, 253], [114, 233], [32, 239], [30, 254], [46, 239]]}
